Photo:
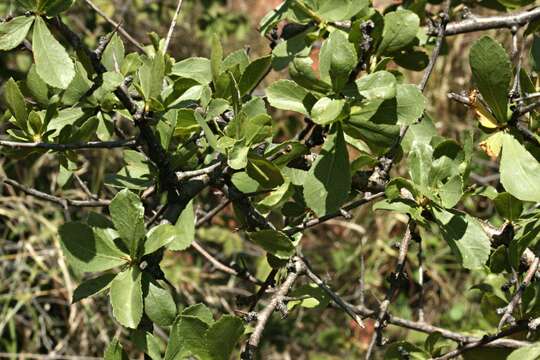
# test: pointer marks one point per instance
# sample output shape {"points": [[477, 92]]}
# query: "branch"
{"points": [[441, 32], [430, 329], [479, 23], [64, 203], [519, 293], [392, 290], [337, 299], [121, 30], [342, 212], [295, 269], [72, 146], [222, 267], [182, 175], [172, 26], [486, 339]]}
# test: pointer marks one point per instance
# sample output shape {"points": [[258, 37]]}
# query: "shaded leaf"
{"points": [[328, 182], [492, 74], [275, 242], [89, 250], [92, 287]]}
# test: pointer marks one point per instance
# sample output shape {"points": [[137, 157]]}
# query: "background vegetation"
{"points": [[355, 254]]}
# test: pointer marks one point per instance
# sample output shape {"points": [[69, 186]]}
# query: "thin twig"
{"points": [[212, 213], [441, 31], [84, 187], [222, 267], [71, 146], [64, 203], [520, 326], [182, 175], [431, 329], [295, 269], [337, 299], [478, 23], [319, 220], [172, 26], [380, 323], [121, 30], [519, 293], [420, 280]]}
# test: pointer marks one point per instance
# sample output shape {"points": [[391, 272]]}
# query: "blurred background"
{"points": [[36, 318]]}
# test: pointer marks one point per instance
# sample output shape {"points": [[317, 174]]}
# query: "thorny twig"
{"points": [[296, 268], [380, 323], [529, 275]]}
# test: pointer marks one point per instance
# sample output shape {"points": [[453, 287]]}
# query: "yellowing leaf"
{"points": [[492, 145], [484, 115]]}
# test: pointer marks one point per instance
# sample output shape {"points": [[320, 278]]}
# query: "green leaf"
{"points": [[159, 236], [290, 49], [326, 110], [197, 68], [492, 74], [410, 104], [530, 352], [222, 337], [337, 10], [78, 87], [53, 63], [127, 214], [508, 206], [115, 351], [55, 7], [395, 352], [400, 29], [187, 338], [328, 182], [515, 4], [16, 104], [465, 236], [89, 250], [264, 172], [185, 229], [520, 171], [379, 138], [37, 87], [313, 297], [114, 54], [127, 297], [159, 305], [451, 192], [287, 95], [337, 59], [253, 74], [238, 156], [31, 5], [275, 242], [420, 162], [200, 311], [92, 287], [14, 31], [216, 58], [147, 342], [301, 71], [377, 85], [151, 76], [210, 136]]}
